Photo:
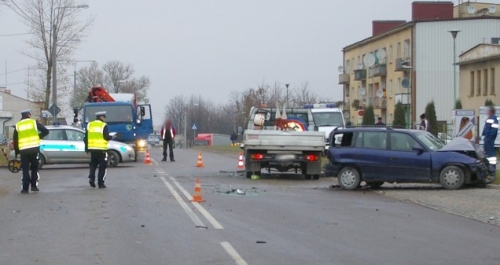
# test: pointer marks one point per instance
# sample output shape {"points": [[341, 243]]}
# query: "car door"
{"points": [[370, 154], [408, 165], [52, 146], [76, 145]]}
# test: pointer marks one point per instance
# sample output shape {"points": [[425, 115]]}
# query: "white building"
{"points": [[10, 111]]}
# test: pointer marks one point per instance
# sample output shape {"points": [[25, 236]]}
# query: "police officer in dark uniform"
{"points": [[96, 142], [490, 132], [27, 143]]}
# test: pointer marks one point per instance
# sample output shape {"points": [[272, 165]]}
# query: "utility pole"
{"points": [[54, 73]]}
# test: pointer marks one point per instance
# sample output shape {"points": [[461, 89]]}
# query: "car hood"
{"points": [[464, 146]]}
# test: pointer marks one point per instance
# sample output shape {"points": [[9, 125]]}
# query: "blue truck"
{"points": [[131, 122]]}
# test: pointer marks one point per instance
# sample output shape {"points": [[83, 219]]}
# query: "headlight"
{"points": [[129, 148], [141, 143]]}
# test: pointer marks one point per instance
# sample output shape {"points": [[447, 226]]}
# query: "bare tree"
{"points": [[117, 73], [87, 77], [303, 95], [51, 22]]}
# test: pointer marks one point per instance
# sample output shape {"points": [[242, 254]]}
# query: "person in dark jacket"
{"points": [[379, 122], [233, 138], [490, 132], [424, 123], [27, 135], [96, 142], [167, 135]]}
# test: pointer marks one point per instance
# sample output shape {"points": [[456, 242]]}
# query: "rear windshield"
{"points": [[328, 119]]}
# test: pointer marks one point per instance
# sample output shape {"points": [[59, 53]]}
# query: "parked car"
{"points": [[378, 155], [64, 145], [154, 140]]}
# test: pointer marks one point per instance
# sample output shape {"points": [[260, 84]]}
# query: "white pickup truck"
{"points": [[297, 148]]}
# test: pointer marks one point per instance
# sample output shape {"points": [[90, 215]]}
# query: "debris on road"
{"points": [[261, 242], [239, 192]]}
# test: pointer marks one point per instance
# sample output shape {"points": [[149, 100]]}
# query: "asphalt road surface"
{"points": [[145, 217]]}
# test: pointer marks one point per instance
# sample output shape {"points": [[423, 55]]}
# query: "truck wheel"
{"points": [[249, 174], [452, 178], [113, 158], [349, 178]]}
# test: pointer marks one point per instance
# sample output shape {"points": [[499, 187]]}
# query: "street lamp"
{"points": [[54, 61], [287, 93], [74, 78], [454, 33]]}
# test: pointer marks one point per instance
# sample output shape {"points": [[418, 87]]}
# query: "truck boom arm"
{"points": [[99, 94]]}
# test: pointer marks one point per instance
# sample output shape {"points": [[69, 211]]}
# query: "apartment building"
{"points": [[412, 62]]}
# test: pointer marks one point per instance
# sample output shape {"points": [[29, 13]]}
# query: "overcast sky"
{"points": [[213, 47]]}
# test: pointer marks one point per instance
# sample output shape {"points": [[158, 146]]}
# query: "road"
{"points": [[145, 217]]}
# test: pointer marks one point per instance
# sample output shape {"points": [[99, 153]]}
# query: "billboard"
{"points": [[464, 124]]}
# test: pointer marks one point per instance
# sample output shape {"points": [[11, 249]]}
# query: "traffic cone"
{"points": [[240, 161], [197, 192], [199, 163], [147, 159]]}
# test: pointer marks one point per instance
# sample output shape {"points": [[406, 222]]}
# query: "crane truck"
{"points": [[132, 123]]}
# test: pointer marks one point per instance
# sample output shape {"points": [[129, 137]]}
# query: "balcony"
{"points": [[403, 64], [344, 79], [360, 74], [380, 103], [379, 70], [347, 104], [404, 98]]}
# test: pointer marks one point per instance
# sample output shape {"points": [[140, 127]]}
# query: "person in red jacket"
{"points": [[168, 134]]}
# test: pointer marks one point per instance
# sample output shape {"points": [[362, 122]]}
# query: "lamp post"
{"points": [[74, 78], [54, 60], [287, 94], [454, 33]]}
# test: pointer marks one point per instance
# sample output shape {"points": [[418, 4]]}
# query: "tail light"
{"points": [[311, 157], [257, 156]]}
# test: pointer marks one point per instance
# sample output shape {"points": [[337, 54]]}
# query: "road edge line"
{"points": [[184, 206], [233, 253], [198, 206]]}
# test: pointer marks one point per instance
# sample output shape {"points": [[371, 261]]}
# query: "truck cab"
{"points": [[327, 117]]}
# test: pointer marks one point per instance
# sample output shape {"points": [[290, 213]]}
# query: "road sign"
{"points": [[194, 127], [361, 113], [57, 109]]}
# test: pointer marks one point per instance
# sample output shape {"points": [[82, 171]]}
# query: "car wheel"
{"points": [[349, 178], [41, 161], [248, 174], [375, 184], [113, 158], [452, 178]]}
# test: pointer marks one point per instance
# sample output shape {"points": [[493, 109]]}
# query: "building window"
{"points": [[347, 67], [389, 54], [472, 83], [398, 50], [398, 91], [407, 49], [479, 82], [391, 119], [485, 92], [390, 88], [492, 74], [359, 63], [352, 63]]}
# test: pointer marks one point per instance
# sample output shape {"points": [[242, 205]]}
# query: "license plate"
{"points": [[285, 157]]}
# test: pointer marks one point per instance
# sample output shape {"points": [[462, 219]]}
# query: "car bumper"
{"points": [[480, 170], [127, 155]]}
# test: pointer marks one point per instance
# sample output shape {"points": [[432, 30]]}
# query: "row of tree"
{"points": [[224, 118]]}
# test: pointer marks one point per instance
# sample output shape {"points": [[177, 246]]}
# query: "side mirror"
{"points": [[418, 148], [240, 130]]}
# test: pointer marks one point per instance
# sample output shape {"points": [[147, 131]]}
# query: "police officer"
{"points": [[490, 132], [27, 143], [96, 142], [168, 134]]}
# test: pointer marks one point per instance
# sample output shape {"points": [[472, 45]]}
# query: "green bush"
{"points": [[399, 116], [430, 115], [458, 104], [369, 116], [489, 102]]}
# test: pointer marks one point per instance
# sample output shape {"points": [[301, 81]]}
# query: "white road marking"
{"points": [[154, 161], [198, 206], [233, 253], [184, 206]]}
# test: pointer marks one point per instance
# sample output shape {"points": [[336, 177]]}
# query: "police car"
{"points": [[64, 145]]}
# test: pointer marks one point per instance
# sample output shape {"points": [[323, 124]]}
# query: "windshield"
{"points": [[328, 119], [116, 114], [429, 140]]}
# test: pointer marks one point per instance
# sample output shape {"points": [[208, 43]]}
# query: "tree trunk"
{"points": [[48, 90]]}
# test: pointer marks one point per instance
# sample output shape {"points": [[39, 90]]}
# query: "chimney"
{"points": [[431, 10], [381, 26]]}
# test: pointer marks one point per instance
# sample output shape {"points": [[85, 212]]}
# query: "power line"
{"points": [[14, 34], [14, 71]]}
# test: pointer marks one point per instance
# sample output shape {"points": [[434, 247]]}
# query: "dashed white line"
{"points": [[154, 162], [233, 253], [184, 206], [198, 206]]}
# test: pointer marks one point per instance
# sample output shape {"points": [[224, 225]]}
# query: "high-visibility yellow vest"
{"points": [[27, 134], [96, 139]]}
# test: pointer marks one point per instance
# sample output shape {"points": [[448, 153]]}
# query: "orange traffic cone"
{"points": [[199, 163], [147, 159], [197, 192], [240, 161]]}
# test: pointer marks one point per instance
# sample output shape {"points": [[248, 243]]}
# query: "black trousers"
{"points": [[168, 143], [98, 159], [29, 162]]}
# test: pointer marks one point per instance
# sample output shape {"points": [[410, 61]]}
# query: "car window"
{"points": [[343, 139], [371, 140], [74, 135], [57, 134], [401, 142]]}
